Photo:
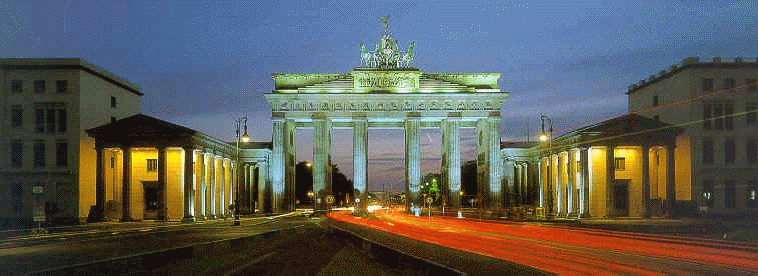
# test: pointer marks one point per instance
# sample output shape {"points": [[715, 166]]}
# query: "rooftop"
{"points": [[693, 62]]}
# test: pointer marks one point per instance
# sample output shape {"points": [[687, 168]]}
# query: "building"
{"points": [[152, 169], [715, 103], [47, 106]]}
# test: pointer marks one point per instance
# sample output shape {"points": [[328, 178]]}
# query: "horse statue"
{"points": [[407, 58]]}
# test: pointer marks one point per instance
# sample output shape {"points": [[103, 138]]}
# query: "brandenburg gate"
{"points": [[386, 93]]}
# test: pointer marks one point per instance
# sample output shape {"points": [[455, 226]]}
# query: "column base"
{"points": [[188, 219], [584, 216], [572, 215], [127, 219]]}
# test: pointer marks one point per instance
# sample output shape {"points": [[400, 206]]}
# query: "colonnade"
{"points": [[584, 181], [193, 183], [489, 166]]}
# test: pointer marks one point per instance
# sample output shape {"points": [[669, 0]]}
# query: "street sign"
{"points": [[429, 200]]}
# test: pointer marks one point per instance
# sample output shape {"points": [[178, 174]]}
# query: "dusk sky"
{"points": [[202, 64]]}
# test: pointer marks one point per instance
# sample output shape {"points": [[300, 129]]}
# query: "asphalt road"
{"points": [[573, 251], [290, 245]]}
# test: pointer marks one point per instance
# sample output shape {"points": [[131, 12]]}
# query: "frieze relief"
{"points": [[441, 105]]}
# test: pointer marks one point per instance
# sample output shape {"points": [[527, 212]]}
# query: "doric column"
{"points": [[211, 185], [610, 179], [584, 201], [163, 182], [645, 204], [322, 149], [571, 183], [360, 158], [488, 167], [542, 183], [189, 184], [556, 182], [264, 189], [560, 185], [222, 187], [100, 184], [218, 194], [452, 158], [287, 193], [412, 158], [525, 184], [670, 180], [126, 187], [203, 184], [277, 159]]}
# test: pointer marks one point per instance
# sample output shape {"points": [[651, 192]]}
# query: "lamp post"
{"points": [[548, 137], [239, 123], [310, 196]]}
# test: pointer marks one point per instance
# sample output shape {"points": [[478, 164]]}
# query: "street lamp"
{"points": [[239, 123], [310, 196], [548, 137]]}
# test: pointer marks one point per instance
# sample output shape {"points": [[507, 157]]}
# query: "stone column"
{"points": [[163, 182], [571, 183], [222, 187], [556, 182], [670, 180], [360, 156], [218, 194], [100, 185], [412, 158], [541, 185], [559, 185], [494, 168], [322, 149], [584, 201], [452, 158], [287, 203], [524, 192], [645, 204], [610, 167], [126, 187], [189, 181], [203, 184], [212, 186], [277, 159], [264, 189]]}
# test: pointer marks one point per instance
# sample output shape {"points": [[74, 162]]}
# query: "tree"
{"points": [[342, 188], [430, 185]]}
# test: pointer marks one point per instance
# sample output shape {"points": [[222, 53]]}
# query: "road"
{"points": [[571, 251], [284, 245]]}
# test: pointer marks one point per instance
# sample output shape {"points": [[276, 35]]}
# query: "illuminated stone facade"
{"points": [[386, 98], [715, 101], [47, 158]]}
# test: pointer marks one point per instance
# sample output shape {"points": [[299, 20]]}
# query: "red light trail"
{"points": [[570, 251]]}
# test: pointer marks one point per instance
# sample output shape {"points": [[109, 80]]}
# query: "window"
{"points": [[718, 116], [718, 113], [113, 162], [61, 86], [39, 154], [750, 109], [655, 100], [706, 116], [152, 165], [113, 119], [51, 117], [620, 163], [17, 198], [729, 149], [706, 196], [752, 194], [750, 83], [17, 116], [728, 83], [39, 86], [707, 151], [707, 85], [61, 154], [113, 102], [657, 118], [728, 118], [751, 151], [730, 195], [17, 154], [17, 86]]}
